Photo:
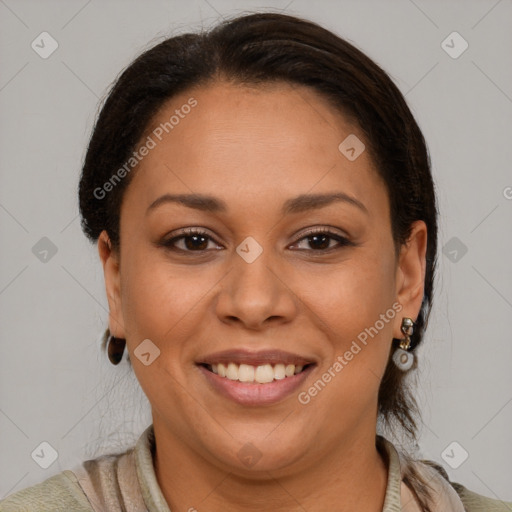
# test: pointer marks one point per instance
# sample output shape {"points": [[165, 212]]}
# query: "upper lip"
{"points": [[255, 358]]}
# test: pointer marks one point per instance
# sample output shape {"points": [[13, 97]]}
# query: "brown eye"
{"points": [[190, 240], [321, 240], [195, 242]]}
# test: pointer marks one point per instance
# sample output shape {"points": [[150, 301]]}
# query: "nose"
{"points": [[255, 294]]}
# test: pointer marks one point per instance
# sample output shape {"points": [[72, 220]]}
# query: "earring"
{"points": [[402, 358], [115, 349]]}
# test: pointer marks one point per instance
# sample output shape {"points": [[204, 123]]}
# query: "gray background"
{"points": [[54, 384]]}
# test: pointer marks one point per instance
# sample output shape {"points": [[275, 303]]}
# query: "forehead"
{"points": [[271, 140]]}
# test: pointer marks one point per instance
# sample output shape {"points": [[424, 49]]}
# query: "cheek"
{"points": [[351, 296], [354, 307], [162, 302], [165, 305]]}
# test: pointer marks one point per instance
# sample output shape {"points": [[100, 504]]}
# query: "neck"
{"points": [[352, 477]]}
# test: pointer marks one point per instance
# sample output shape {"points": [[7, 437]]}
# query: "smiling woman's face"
{"points": [[213, 298]]}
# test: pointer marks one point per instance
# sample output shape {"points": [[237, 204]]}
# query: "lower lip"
{"points": [[253, 393]]}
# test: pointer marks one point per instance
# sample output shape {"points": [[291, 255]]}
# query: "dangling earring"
{"points": [[115, 349], [402, 358]]}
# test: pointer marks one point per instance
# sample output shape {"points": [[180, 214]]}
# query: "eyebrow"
{"points": [[302, 203]]}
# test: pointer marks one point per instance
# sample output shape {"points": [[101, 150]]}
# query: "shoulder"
{"points": [[60, 493], [111, 482], [472, 501]]}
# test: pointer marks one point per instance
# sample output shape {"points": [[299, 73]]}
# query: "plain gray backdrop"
{"points": [[55, 385]]}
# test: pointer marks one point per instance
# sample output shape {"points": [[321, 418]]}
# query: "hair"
{"points": [[260, 49]]}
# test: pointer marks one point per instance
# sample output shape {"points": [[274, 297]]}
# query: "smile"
{"points": [[260, 378], [261, 374]]}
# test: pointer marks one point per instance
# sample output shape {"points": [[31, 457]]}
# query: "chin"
{"points": [[256, 451]]}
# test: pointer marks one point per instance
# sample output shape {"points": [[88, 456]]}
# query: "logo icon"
{"points": [[44, 45], [454, 455], [454, 45], [147, 352], [454, 250], [249, 455], [249, 249], [44, 250], [351, 147], [44, 455]]}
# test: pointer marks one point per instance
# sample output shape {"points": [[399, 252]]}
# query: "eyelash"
{"points": [[190, 232]]}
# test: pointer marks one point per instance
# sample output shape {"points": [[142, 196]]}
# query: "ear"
{"points": [[110, 260], [410, 276]]}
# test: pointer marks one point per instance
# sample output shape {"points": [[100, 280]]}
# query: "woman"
{"points": [[265, 215]]}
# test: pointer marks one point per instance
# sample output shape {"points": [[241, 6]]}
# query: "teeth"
{"points": [[264, 374], [261, 374], [232, 371], [279, 372], [246, 373]]}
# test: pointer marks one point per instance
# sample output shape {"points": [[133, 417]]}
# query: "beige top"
{"points": [[127, 482]]}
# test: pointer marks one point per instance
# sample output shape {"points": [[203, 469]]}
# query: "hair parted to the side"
{"points": [[259, 49]]}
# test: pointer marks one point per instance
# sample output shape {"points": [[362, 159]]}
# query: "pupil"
{"points": [[195, 245], [323, 245]]}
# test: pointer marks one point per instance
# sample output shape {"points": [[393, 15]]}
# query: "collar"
{"points": [[396, 491]]}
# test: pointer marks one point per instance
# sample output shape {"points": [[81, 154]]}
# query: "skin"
{"points": [[254, 148]]}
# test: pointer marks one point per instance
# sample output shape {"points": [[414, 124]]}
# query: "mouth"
{"points": [[261, 374], [255, 378]]}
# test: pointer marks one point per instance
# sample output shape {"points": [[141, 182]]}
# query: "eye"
{"points": [[197, 240], [320, 240], [191, 240]]}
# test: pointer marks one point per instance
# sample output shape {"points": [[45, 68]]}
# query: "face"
{"points": [[294, 294]]}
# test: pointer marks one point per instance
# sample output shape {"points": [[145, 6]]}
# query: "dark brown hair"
{"points": [[264, 48]]}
